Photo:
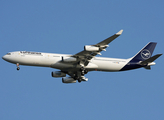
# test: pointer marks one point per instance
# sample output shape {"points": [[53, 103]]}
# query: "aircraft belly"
{"points": [[60, 65]]}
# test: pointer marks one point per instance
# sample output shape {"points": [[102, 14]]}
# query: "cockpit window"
{"points": [[8, 53]]}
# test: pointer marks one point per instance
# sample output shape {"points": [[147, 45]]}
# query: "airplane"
{"points": [[77, 65]]}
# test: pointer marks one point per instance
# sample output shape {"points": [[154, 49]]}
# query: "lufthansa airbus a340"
{"points": [[76, 66]]}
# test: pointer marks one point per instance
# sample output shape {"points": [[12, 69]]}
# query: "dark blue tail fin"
{"points": [[145, 53]]}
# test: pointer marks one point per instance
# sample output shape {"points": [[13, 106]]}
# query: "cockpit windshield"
{"points": [[8, 53]]}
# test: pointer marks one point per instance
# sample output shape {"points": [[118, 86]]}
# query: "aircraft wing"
{"points": [[92, 50]]}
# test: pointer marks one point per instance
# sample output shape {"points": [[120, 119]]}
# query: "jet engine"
{"points": [[68, 80], [69, 59], [58, 74], [91, 48]]}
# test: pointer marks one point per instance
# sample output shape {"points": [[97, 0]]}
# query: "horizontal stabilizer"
{"points": [[150, 59]]}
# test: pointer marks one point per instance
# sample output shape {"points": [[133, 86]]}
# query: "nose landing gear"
{"points": [[18, 68]]}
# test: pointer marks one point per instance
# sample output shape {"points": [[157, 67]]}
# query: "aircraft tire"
{"points": [[79, 80], [18, 68], [82, 69]]}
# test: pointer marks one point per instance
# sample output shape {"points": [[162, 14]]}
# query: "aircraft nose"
{"points": [[3, 57]]}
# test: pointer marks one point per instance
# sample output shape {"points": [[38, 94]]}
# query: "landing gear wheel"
{"points": [[82, 73], [82, 68], [18, 68], [85, 71], [79, 80], [75, 77]]}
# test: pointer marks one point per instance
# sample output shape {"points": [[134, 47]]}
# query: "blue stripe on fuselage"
{"points": [[131, 65]]}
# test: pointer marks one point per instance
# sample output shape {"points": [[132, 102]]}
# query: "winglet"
{"points": [[119, 33]]}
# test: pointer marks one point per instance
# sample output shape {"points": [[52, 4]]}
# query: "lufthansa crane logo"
{"points": [[145, 54]]}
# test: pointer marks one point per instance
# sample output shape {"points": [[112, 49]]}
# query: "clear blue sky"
{"points": [[65, 26]]}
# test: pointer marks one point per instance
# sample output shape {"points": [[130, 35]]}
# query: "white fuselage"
{"points": [[55, 61]]}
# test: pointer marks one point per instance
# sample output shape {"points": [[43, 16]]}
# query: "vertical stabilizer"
{"points": [[145, 53]]}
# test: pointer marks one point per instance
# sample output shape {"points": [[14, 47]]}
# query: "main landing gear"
{"points": [[83, 71], [18, 68], [80, 75], [79, 80]]}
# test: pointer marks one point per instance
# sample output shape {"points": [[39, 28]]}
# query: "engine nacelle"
{"points": [[91, 48], [69, 59], [58, 74], [68, 80]]}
